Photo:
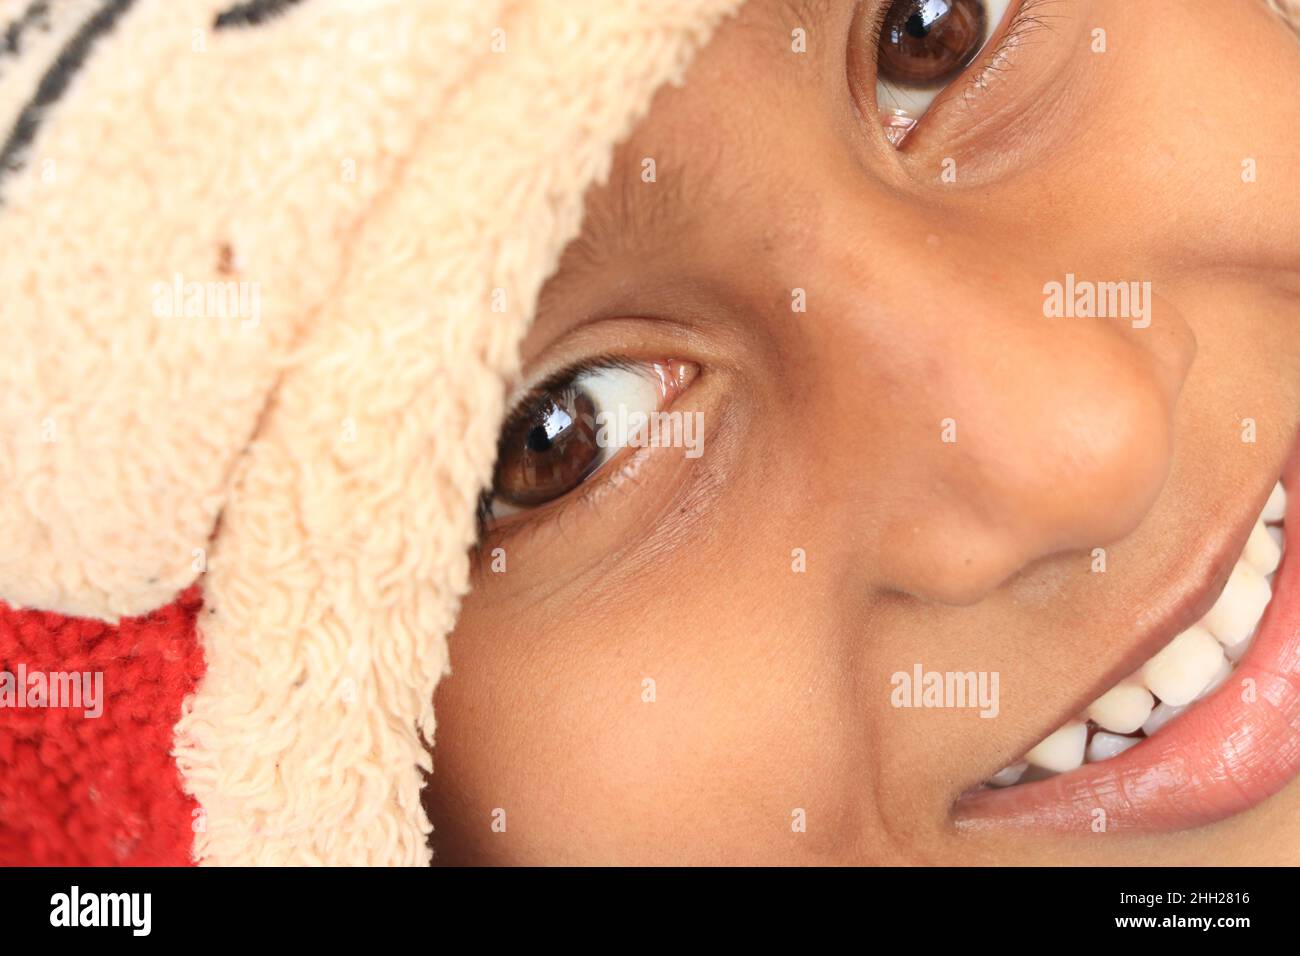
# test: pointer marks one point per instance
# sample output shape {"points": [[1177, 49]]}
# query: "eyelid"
{"points": [[526, 397], [1024, 21], [910, 104], [522, 399], [674, 376], [1018, 19]]}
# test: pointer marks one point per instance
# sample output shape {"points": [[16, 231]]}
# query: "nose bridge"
{"points": [[1026, 435]]}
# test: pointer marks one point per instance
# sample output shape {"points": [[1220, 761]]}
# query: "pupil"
{"points": [[551, 426], [538, 440], [916, 26]]}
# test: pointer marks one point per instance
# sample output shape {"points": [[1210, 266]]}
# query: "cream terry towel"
{"points": [[250, 341]]}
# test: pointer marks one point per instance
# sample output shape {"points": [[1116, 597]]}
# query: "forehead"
{"points": [[706, 152], [798, 11]]}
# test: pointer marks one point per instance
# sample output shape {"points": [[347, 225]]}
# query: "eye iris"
{"points": [[549, 451], [928, 42]]}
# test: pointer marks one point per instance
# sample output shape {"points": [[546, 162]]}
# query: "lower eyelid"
{"points": [[672, 378], [595, 487], [1025, 22], [499, 509], [1020, 83], [648, 499], [1001, 57], [915, 103]]}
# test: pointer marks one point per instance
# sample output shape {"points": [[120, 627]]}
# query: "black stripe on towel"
{"points": [[252, 13], [37, 14], [56, 80]]}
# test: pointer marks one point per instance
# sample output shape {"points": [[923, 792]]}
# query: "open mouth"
{"points": [[1207, 727]]}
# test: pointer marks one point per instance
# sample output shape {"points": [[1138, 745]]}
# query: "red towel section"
{"points": [[96, 791]]}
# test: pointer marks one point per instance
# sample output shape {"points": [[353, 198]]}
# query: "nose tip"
{"points": [[1111, 448], [1066, 451]]}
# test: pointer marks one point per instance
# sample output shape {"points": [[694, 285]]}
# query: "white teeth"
{"points": [[1275, 509], [1061, 751], [1240, 606], [1159, 717], [1223, 673], [1184, 668], [1192, 666], [1009, 776], [1104, 746], [1123, 708], [1237, 651], [1263, 553]]}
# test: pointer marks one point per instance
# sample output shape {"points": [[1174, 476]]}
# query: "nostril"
{"points": [[959, 560]]}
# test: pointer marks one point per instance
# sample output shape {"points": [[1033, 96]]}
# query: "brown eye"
{"points": [[928, 42], [549, 449], [920, 49], [568, 428]]}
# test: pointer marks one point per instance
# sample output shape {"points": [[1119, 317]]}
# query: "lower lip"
{"points": [[1228, 753]]}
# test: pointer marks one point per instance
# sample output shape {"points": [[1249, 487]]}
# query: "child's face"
{"points": [[905, 462]]}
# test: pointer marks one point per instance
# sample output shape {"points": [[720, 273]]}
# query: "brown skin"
{"points": [[824, 433]]}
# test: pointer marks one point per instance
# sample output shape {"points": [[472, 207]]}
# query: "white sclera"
{"points": [[624, 400]]}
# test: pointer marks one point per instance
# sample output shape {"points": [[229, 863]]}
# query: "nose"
{"points": [[1008, 435]]}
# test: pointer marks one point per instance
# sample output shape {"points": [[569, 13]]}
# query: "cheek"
{"points": [[1193, 147], [680, 732]]}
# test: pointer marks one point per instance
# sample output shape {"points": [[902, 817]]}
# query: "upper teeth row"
{"points": [[1191, 666]]}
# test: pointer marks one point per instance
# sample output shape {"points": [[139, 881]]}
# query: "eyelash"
{"points": [[1025, 21], [521, 408]]}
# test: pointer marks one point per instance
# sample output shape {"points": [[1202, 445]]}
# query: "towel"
{"points": [[268, 268]]}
